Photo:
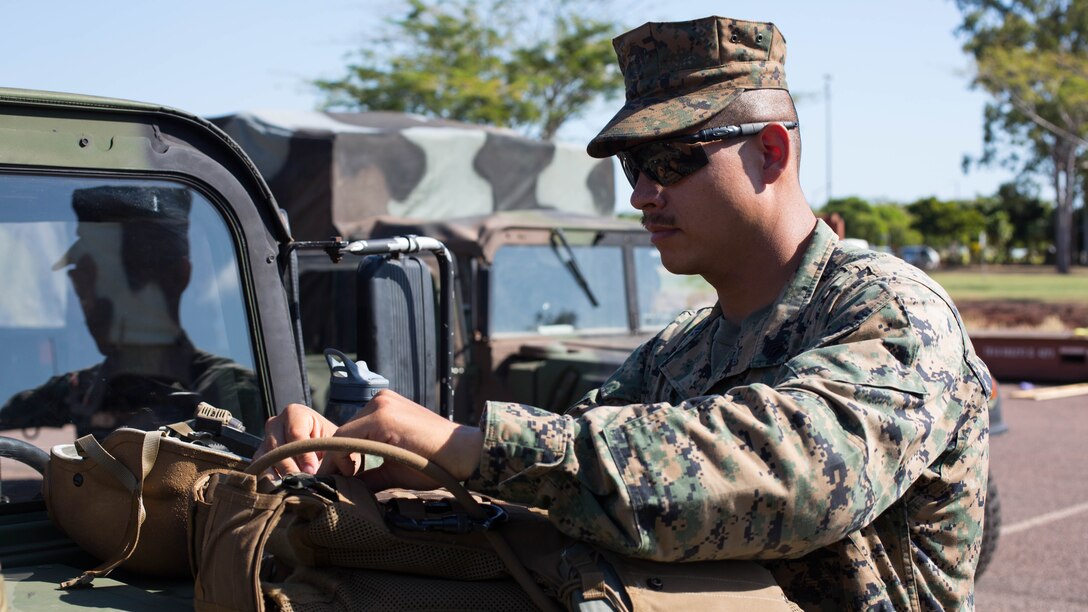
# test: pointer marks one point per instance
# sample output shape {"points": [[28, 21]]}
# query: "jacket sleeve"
{"points": [[759, 471], [44, 406]]}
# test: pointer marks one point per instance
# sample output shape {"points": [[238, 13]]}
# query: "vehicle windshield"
{"points": [[121, 307], [535, 292]]}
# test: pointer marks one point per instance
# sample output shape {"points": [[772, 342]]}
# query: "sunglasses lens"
{"points": [[665, 163], [629, 168]]}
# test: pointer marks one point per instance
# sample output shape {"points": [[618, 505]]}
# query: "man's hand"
{"points": [[389, 418], [398, 421], [296, 422]]}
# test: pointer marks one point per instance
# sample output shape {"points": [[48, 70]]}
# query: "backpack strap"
{"points": [[429, 468], [89, 447], [234, 521]]}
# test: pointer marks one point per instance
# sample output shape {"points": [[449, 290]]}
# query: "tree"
{"points": [[477, 61], [1032, 58], [947, 225], [998, 231], [898, 226], [1028, 216], [857, 214], [881, 224]]}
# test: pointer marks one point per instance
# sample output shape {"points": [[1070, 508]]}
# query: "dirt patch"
{"points": [[1023, 315]]}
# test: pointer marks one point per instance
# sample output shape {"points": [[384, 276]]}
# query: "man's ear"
{"points": [[774, 142]]}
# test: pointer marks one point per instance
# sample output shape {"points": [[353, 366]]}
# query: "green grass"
{"points": [[1014, 283]]}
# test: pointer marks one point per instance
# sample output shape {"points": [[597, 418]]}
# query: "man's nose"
{"points": [[647, 193]]}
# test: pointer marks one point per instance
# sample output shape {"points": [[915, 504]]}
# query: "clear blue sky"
{"points": [[902, 114]]}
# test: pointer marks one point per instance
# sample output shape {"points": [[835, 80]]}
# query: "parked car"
{"points": [[921, 256]]}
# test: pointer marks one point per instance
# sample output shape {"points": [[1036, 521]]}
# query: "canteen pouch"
{"points": [[126, 500], [331, 544]]}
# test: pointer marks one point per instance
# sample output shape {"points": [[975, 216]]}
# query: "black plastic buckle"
{"points": [[318, 485]]}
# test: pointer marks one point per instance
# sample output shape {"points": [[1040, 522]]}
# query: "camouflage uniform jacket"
{"points": [[97, 400], [841, 441]]}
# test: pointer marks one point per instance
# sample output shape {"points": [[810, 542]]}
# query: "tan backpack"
{"points": [[126, 499], [315, 544]]}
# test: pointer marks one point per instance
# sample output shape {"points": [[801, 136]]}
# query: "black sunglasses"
{"points": [[668, 160]]}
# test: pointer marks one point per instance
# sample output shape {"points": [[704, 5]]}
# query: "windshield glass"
{"points": [[533, 291], [662, 295], [121, 307]]}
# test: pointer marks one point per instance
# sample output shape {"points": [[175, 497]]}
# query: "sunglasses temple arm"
{"points": [[730, 131], [748, 129]]}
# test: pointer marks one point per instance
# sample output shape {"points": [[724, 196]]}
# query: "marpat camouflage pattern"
{"points": [[680, 74], [841, 439]]}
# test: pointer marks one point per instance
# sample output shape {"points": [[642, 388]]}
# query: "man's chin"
{"points": [[676, 266]]}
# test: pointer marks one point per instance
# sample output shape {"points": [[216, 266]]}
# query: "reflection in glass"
{"points": [[535, 292], [122, 307], [663, 295]]}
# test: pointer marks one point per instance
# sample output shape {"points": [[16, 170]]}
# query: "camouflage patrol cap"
{"points": [[680, 74], [151, 215], [131, 203]]}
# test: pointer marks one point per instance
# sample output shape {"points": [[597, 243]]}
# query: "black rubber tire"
{"points": [[991, 528]]}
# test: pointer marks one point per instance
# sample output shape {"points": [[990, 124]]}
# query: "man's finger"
{"points": [[377, 479], [347, 464], [285, 467], [306, 463]]}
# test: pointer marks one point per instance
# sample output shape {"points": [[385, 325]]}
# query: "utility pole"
{"points": [[827, 135]]}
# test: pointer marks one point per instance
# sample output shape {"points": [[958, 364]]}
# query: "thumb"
{"points": [[379, 479], [347, 464], [308, 463]]}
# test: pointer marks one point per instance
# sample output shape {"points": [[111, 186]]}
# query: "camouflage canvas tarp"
{"points": [[330, 171]]}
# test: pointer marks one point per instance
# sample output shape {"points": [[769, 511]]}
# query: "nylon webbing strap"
{"points": [[592, 578], [89, 447], [427, 467], [181, 430]]}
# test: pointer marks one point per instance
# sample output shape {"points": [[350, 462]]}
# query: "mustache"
{"points": [[657, 219]]}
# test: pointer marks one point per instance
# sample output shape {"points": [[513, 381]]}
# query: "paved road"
{"points": [[1041, 466]]}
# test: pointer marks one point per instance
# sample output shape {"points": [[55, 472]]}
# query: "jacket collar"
{"points": [[763, 341]]}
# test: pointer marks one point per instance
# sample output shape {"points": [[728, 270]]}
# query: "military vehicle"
{"points": [[548, 303], [148, 266], [145, 265], [552, 292]]}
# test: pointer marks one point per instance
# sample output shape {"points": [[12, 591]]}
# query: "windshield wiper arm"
{"points": [[566, 255]]}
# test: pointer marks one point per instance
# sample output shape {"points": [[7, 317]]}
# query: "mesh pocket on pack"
{"points": [[348, 539]]}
